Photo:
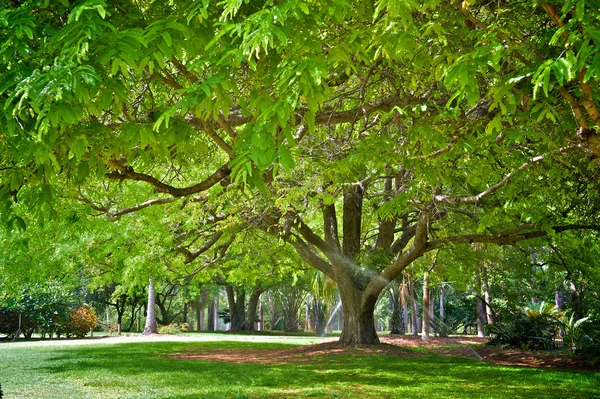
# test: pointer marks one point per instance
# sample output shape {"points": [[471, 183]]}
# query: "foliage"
{"points": [[173, 328], [42, 307], [81, 321], [534, 326]]}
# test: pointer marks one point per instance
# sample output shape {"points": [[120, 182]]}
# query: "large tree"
{"points": [[416, 124]]}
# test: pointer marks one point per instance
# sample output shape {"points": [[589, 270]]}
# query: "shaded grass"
{"points": [[145, 370]]}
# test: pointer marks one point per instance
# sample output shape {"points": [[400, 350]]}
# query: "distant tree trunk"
{"points": [[404, 301], [487, 296], [559, 297], [185, 313], [211, 316], [151, 326], [396, 324], [216, 317], [425, 333], [480, 317], [307, 326], [442, 304], [414, 307], [261, 325]]}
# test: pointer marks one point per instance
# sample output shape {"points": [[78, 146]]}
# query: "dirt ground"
{"points": [[395, 345]]}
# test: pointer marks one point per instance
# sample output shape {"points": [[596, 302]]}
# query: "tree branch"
{"points": [[475, 199], [507, 237], [127, 172]]}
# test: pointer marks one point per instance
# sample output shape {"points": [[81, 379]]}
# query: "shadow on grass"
{"points": [[146, 367]]}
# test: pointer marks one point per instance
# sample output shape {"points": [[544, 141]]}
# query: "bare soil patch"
{"points": [[394, 345]]}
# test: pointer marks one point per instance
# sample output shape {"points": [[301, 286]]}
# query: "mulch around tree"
{"points": [[392, 345]]}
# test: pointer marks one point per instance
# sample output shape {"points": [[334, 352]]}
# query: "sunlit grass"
{"points": [[145, 370]]}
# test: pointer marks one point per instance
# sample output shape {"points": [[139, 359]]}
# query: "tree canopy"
{"points": [[365, 134]]}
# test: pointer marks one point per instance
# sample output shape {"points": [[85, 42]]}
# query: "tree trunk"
{"points": [[185, 313], [151, 326], [261, 325], [480, 317], [216, 317], [414, 307], [442, 304], [559, 297], [211, 316], [357, 313], [487, 296], [252, 307], [425, 329]]}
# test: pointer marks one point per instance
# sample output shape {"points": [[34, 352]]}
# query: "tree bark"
{"points": [[358, 315], [151, 326], [487, 296], [425, 328], [442, 304], [414, 311], [480, 317]]}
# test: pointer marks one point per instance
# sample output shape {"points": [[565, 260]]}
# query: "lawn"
{"points": [[220, 369]]}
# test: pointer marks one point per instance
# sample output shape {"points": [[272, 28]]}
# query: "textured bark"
{"points": [[151, 326], [425, 328], [559, 297], [357, 313], [353, 200]]}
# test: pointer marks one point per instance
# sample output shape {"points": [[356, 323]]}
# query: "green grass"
{"points": [[144, 370]]}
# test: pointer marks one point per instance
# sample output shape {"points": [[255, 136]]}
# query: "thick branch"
{"points": [[507, 237], [330, 226], [310, 256], [127, 172]]}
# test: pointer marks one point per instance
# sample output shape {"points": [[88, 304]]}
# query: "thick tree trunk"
{"points": [[425, 329], [151, 326], [252, 307], [358, 316]]}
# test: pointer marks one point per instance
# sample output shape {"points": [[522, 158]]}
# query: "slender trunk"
{"points": [[261, 325], [211, 316], [307, 314], [185, 312], [151, 326], [414, 307], [442, 304], [480, 318], [216, 319], [487, 296], [431, 311], [425, 329], [404, 300]]}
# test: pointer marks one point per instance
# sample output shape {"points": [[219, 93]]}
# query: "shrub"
{"points": [[172, 328], [534, 326], [575, 337], [81, 321]]}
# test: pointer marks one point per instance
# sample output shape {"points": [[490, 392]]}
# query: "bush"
{"points": [[81, 321], [534, 326], [172, 328]]}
